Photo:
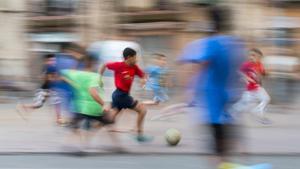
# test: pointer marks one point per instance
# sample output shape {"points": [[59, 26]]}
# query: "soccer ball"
{"points": [[172, 136]]}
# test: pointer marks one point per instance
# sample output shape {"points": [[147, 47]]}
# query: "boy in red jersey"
{"points": [[124, 73], [253, 70]]}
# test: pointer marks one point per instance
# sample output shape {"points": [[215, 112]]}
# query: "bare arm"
{"points": [[143, 81], [101, 72], [94, 93], [246, 78], [102, 69]]}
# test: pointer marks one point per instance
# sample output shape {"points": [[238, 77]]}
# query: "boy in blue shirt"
{"points": [[219, 83], [158, 79], [47, 89]]}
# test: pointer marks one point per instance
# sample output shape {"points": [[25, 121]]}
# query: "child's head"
{"points": [[255, 55], [160, 59], [129, 56], [49, 59], [75, 50], [89, 62]]}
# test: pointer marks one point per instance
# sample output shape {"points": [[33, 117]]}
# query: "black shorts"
{"points": [[79, 118], [122, 100]]}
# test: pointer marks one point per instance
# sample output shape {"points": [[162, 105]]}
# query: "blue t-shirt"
{"points": [[218, 85], [47, 70], [50, 69], [65, 61], [156, 77]]}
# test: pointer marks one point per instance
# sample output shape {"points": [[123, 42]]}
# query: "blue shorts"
{"points": [[122, 100]]}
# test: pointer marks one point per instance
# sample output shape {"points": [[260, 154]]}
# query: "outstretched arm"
{"points": [[142, 75], [94, 93], [102, 69]]}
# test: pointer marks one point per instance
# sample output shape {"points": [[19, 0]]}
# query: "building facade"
{"points": [[35, 27]]}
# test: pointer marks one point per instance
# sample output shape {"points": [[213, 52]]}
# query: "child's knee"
{"points": [[140, 108]]}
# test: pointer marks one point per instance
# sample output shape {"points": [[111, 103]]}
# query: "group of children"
{"points": [[88, 107], [90, 111], [254, 99]]}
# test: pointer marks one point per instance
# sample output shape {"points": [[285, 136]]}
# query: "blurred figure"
{"points": [[218, 83], [47, 89], [253, 70], [124, 73], [183, 107], [87, 100], [157, 81], [69, 58]]}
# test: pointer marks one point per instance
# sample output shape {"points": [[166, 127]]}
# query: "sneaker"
{"points": [[62, 122], [229, 166], [266, 121], [143, 138], [238, 166]]}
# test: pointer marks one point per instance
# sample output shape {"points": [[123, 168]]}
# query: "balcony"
{"points": [[52, 15], [148, 21], [52, 23]]}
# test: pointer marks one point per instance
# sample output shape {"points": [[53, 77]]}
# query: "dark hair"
{"points": [[128, 52], [49, 56], [89, 61], [66, 46], [257, 51], [72, 47], [220, 17]]}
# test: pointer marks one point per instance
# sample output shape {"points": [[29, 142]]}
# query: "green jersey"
{"points": [[82, 81]]}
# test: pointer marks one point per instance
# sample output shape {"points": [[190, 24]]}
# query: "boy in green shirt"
{"points": [[88, 105]]}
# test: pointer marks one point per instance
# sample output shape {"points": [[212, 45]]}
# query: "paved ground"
{"points": [[40, 144], [40, 134], [135, 162]]}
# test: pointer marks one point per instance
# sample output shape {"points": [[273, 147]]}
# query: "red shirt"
{"points": [[253, 70], [124, 74]]}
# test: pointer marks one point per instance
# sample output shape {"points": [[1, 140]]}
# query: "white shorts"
{"points": [[41, 96], [254, 101]]}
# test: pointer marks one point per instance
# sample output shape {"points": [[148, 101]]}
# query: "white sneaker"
{"points": [[265, 121]]}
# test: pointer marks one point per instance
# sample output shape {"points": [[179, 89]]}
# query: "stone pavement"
{"points": [[40, 134]]}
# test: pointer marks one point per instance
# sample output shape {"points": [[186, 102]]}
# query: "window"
{"points": [[52, 7], [60, 7]]}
